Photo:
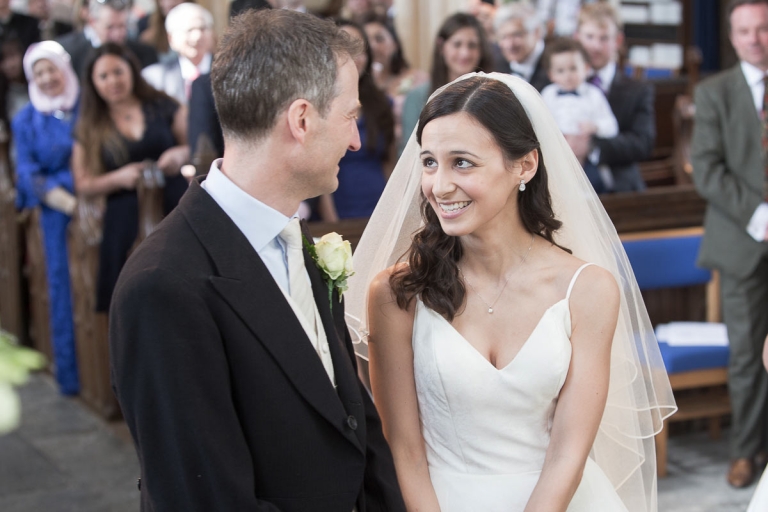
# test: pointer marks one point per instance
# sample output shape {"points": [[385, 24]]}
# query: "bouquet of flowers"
{"points": [[15, 365]]}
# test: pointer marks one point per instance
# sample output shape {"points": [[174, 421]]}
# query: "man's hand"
{"points": [[581, 145], [765, 235]]}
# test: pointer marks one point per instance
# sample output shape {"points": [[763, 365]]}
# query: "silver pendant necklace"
{"points": [[490, 306]]}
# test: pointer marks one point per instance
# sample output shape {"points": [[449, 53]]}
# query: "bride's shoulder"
{"points": [[380, 289], [383, 300], [593, 283]]}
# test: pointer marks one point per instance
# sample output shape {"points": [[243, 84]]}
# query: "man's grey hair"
{"points": [[95, 7], [176, 17], [270, 58], [522, 11]]}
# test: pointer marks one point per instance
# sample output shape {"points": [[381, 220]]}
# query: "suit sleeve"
{"points": [[636, 138], [722, 189], [382, 491], [170, 375]]}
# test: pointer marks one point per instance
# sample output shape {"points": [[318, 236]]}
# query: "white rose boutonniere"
{"points": [[333, 256]]}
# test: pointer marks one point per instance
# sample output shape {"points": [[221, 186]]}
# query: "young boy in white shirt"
{"points": [[577, 105]]}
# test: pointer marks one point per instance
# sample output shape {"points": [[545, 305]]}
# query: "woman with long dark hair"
{"points": [[363, 174], [461, 47], [389, 68], [124, 122], [511, 358]]}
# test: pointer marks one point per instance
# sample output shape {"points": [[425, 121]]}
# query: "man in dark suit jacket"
{"points": [[18, 26], [203, 118], [632, 102], [107, 22], [233, 367], [520, 37], [729, 170]]}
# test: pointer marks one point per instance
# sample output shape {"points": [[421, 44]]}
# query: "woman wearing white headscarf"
{"points": [[42, 133]]}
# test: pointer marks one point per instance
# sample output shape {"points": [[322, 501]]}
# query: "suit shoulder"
{"points": [[70, 39], [719, 81]]}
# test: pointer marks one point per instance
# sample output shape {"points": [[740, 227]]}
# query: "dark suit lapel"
{"points": [[245, 283], [346, 376]]}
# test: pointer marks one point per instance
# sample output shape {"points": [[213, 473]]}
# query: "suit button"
{"points": [[352, 422]]}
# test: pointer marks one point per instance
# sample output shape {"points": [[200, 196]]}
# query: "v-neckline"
{"points": [[481, 356]]}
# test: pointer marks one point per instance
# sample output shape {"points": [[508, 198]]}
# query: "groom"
{"points": [[236, 376]]}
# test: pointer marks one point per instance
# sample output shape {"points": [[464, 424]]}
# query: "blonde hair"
{"points": [[600, 13]]}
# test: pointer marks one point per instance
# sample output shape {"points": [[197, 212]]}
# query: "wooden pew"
{"points": [[91, 328], [11, 298], [37, 282]]}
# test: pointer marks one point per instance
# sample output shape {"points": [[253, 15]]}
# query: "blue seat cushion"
{"points": [[686, 359], [666, 262]]}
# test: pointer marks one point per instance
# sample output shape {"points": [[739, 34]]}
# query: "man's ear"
{"points": [[298, 116]]}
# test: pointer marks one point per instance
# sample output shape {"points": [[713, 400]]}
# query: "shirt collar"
{"points": [[90, 34], [188, 69], [754, 75], [258, 222]]}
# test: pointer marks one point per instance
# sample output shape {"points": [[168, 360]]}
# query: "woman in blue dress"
{"points": [[363, 173], [42, 133]]}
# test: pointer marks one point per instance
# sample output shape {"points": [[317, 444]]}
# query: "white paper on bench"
{"points": [[693, 334]]}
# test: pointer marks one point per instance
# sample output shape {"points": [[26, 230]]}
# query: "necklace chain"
{"points": [[490, 306]]}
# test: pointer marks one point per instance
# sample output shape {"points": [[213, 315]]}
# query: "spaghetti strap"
{"points": [[573, 279]]}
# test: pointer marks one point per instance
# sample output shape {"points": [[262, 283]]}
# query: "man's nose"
{"points": [[355, 144]]}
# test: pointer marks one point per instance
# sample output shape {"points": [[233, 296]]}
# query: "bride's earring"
{"points": [[522, 185]]}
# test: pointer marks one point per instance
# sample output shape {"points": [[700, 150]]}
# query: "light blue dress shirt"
{"points": [[261, 224]]}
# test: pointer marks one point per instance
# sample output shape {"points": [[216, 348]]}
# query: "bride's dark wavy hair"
{"points": [[432, 271]]}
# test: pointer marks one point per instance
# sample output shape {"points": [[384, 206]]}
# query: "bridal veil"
{"points": [[639, 396]]}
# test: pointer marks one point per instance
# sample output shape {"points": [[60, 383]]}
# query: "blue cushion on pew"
{"points": [[685, 359], [666, 262]]}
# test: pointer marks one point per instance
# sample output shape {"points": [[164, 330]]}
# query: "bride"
{"points": [[511, 358]]}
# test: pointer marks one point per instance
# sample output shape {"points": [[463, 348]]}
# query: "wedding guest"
{"points": [[49, 28], [600, 32], [363, 173], [359, 10], [124, 122], [391, 72], [42, 134], [240, 6], [14, 25], [152, 28], [729, 171], [520, 36], [229, 354], [12, 67], [460, 48], [190, 34], [107, 22], [577, 106]]}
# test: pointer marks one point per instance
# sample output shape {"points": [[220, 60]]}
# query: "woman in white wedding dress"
{"points": [[493, 349]]}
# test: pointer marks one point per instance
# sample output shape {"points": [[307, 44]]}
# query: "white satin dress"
{"points": [[487, 430]]}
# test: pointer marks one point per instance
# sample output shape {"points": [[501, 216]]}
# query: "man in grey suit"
{"points": [[729, 170], [190, 36]]}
